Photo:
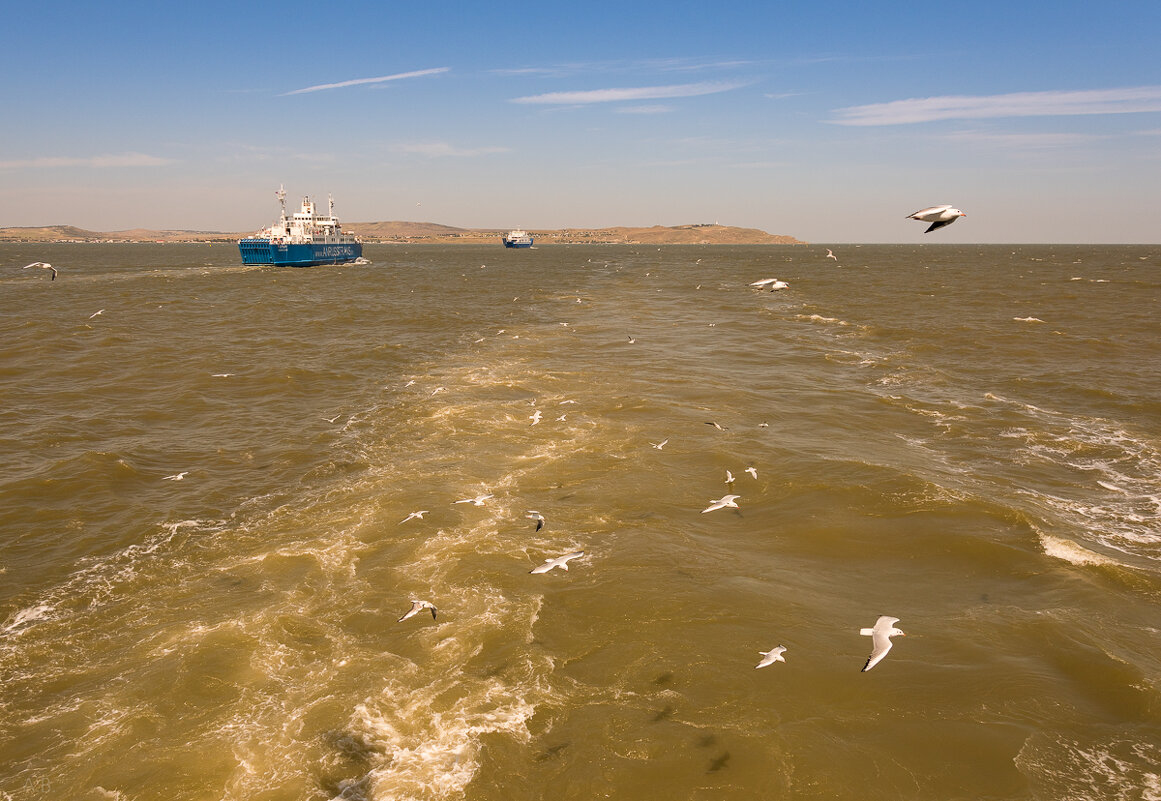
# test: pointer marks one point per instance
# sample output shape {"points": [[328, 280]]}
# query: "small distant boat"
{"points": [[301, 240], [518, 239]]}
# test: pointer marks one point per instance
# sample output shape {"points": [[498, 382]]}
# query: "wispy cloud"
{"points": [[638, 93], [362, 81], [443, 149], [115, 160], [1016, 104]]}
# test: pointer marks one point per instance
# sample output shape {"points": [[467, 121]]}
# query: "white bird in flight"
{"points": [[535, 515], [476, 501], [176, 476], [771, 656], [729, 477], [938, 216], [45, 265], [535, 417], [752, 471], [830, 254], [94, 314], [560, 561], [722, 503], [773, 284], [414, 516], [416, 608], [661, 444], [881, 634]]}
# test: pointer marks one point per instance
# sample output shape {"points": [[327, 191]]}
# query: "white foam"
{"points": [[1072, 553], [26, 617], [434, 752], [1118, 767]]}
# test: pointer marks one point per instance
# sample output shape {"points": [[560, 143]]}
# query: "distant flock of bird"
{"points": [[880, 634]]}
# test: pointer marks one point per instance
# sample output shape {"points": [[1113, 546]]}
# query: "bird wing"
{"points": [[882, 644], [930, 210], [939, 224], [880, 640]]}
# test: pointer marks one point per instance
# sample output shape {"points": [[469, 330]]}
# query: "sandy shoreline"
{"points": [[431, 233]]}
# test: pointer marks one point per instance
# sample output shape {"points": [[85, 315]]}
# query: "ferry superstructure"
{"points": [[302, 239], [518, 239]]}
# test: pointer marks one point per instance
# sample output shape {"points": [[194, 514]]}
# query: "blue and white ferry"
{"points": [[302, 239], [518, 239]]}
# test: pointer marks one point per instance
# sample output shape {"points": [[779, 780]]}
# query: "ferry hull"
{"points": [[508, 244], [264, 251]]}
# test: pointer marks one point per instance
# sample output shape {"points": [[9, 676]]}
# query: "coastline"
{"points": [[415, 233]]}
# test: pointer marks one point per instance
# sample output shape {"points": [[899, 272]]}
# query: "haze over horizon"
{"points": [[826, 124]]}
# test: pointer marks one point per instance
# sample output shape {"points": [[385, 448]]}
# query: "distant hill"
{"points": [[432, 233]]}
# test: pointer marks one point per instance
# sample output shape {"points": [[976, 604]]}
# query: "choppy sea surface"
{"points": [[966, 438]]}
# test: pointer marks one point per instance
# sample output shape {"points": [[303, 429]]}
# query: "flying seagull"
{"points": [[722, 503], [938, 216], [560, 561], [661, 444], [729, 477], [881, 634], [752, 471], [45, 265], [770, 657], [535, 515], [416, 608], [773, 284], [830, 254], [414, 516], [176, 476]]}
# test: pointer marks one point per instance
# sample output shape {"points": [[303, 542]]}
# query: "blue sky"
{"points": [[827, 121]]}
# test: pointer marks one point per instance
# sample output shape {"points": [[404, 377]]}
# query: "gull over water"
{"points": [[416, 608], [559, 561], [938, 216], [880, 634], [771, 656]]}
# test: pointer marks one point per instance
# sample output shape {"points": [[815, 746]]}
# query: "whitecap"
{"points": [[1070, 552], [26, 617]]}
